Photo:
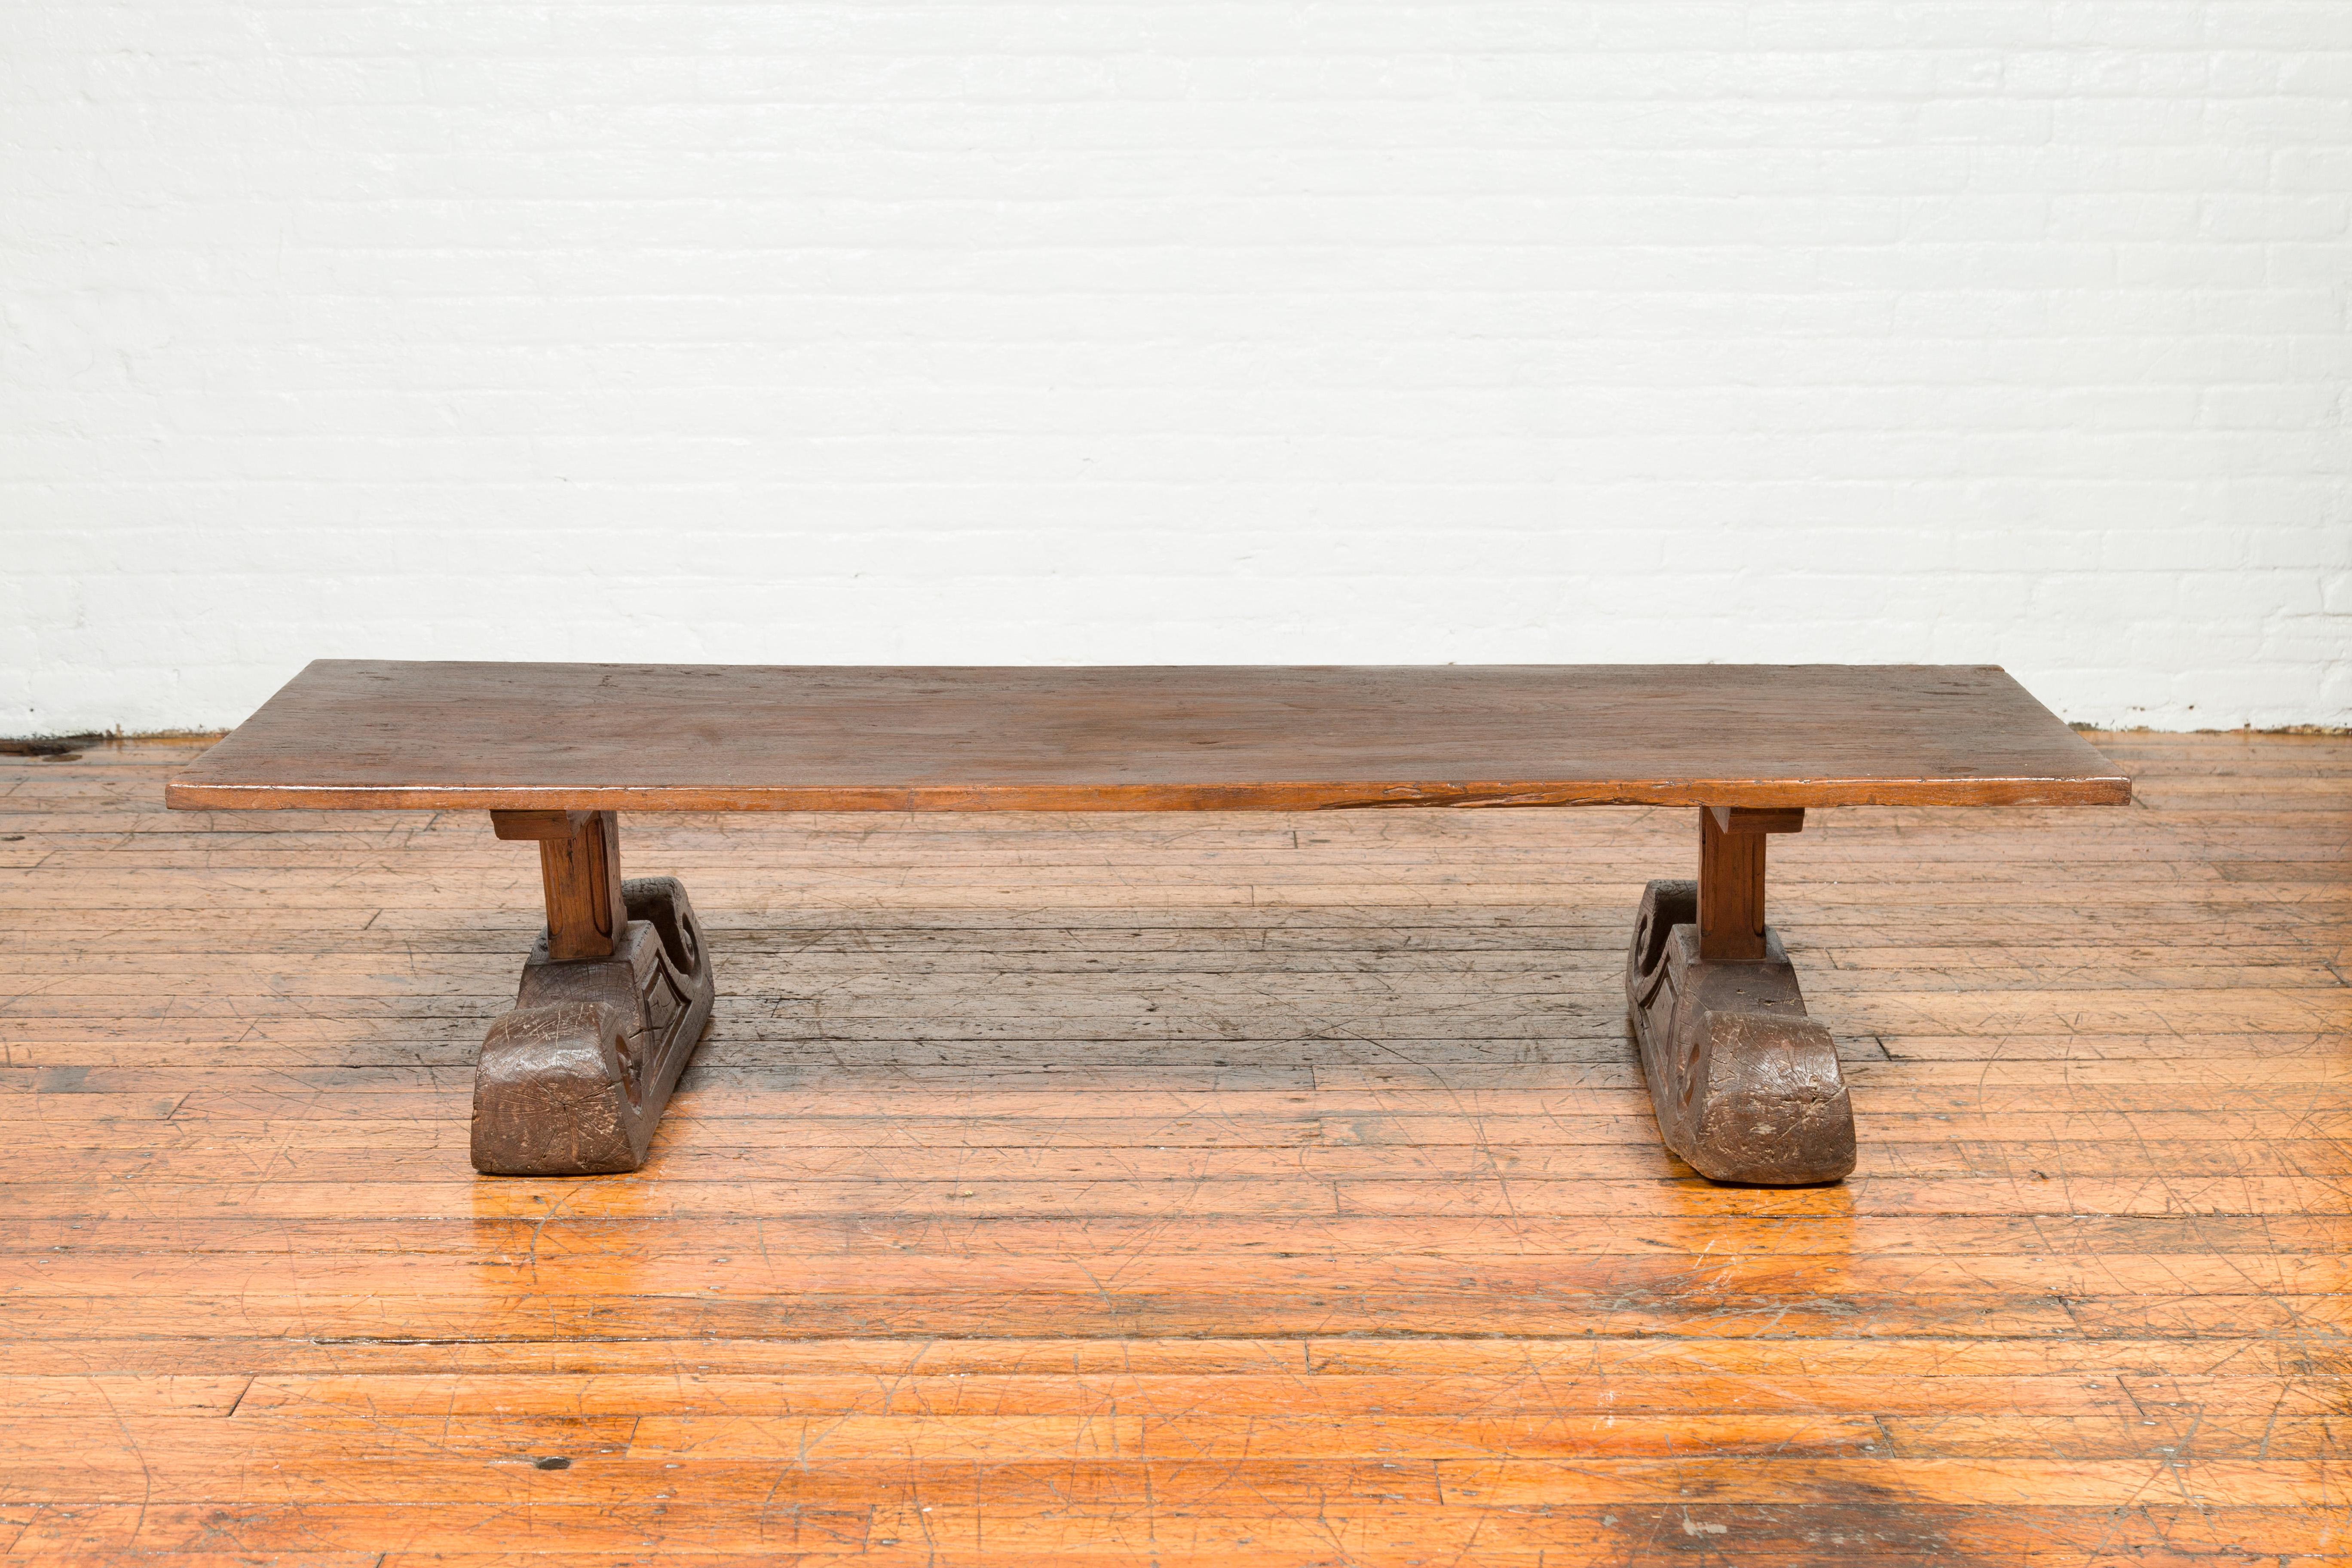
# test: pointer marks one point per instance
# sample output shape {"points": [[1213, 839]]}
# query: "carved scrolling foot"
{"points": [[573, 1080], [1747, 1087]]}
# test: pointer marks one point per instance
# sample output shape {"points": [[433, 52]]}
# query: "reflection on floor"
{"points": [[1276, 1189]]}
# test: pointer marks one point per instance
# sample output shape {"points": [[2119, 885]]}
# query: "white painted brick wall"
{"points": [[803, 330]]}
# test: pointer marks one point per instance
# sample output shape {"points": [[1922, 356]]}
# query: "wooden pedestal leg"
{"points": [[1745, 1086], [613, 999]]}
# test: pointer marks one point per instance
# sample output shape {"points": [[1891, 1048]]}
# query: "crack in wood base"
{"points": [[1745, 1086], [573, 1081]]}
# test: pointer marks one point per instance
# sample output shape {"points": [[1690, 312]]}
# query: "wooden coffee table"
{"points": [[617, 992]]}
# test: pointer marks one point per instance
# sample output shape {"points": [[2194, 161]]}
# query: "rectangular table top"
{"points": [[375, 734]]}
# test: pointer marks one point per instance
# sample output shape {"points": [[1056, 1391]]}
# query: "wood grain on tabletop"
{"points": [[1214, 1188], [355, 734]]}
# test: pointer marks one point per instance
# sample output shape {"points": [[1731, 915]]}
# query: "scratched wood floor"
{"points": [[1267, 1189]]}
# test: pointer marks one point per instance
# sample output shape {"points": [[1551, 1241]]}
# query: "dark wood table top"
{"points": [[371, 734]]}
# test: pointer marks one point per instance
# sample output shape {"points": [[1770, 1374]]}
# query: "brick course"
{"points": [[2012, 331]]}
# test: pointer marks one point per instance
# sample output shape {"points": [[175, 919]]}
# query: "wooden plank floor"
{"points": [[1186, 1189]]}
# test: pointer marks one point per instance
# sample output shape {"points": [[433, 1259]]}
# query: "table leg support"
{"points": [[1747, 1087], [614, 998]]}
